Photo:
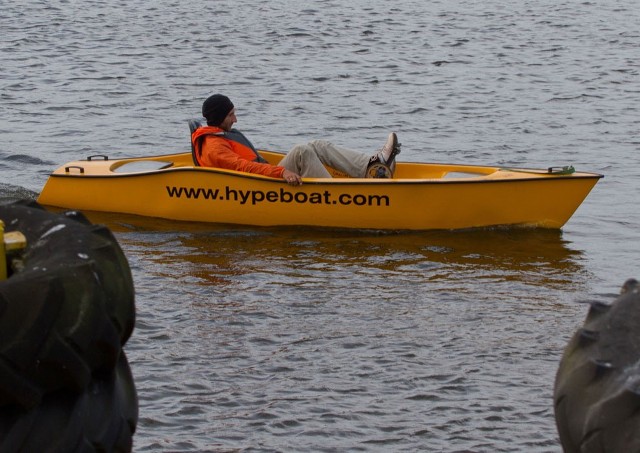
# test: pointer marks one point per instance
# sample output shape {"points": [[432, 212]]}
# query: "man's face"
{"points": [[228, 121]]}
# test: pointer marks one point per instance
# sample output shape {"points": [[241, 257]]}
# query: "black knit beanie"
{"points": [[216, 108]]}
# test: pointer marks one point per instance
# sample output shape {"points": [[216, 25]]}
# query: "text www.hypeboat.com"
{"points": [[276, 196]]}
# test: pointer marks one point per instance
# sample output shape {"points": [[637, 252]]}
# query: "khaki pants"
{"points": [[309, 160]]}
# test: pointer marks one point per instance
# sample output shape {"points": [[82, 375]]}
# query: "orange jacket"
{"points": [[215, 148]]}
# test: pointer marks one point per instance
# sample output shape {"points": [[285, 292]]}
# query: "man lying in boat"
{"points": [[219, 145]]}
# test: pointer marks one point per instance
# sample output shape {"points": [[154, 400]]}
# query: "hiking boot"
{"points": [[382, 164]]}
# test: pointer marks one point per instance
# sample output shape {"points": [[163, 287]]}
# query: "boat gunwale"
{"points": [[482, 178]]}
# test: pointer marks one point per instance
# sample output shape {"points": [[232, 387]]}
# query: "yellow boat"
{"points": [[421, 196]]}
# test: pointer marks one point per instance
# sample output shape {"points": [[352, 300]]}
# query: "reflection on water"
{"points": [[213, 253], [501, 253]]}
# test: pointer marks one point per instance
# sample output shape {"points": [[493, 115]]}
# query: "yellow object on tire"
{"points": [[9, 242]]}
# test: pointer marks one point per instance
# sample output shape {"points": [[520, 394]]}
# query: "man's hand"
{"points": [[292, 178]]}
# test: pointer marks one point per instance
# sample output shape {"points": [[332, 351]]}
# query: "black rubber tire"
{"points": [[597, 387], [66, 310], [102, 418]]}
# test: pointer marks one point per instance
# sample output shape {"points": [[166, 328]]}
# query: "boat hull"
{"points": [[489, 197]]}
